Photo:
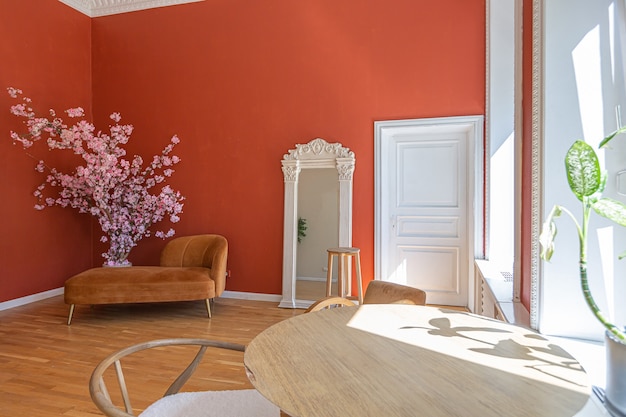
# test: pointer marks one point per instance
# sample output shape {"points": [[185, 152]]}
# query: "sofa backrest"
{"points": [[207, 251]]}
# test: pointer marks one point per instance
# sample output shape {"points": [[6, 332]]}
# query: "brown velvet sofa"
{"points": [[191, 268]]}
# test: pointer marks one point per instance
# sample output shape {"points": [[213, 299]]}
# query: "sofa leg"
{"points": [[69, 318], [208, 306]]}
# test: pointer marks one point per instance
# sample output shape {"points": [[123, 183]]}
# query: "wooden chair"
{"points": [[384, 292], [170, 403], [378, 292], [329, 302]]}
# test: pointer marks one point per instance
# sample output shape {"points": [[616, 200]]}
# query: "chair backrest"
{"points": [[207, 251], [383, 292], [98, 389], [329, 302]]}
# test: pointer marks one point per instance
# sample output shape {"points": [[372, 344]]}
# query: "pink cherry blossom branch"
{"points": [[109, 187]]}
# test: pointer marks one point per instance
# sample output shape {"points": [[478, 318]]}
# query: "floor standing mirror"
{"points": [[325, 162]]}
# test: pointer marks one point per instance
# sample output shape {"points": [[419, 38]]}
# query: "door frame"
{"points": [[474, 127]]}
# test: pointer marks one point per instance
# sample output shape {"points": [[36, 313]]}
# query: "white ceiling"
{"points": [[95, 8]]}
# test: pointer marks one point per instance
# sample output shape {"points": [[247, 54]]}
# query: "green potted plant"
{"points": [[587, 181], [301, 229]]}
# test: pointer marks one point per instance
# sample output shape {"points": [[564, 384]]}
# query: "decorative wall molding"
{"points": [[319, 154], [96, 8], [319, 149], [536, 183]]}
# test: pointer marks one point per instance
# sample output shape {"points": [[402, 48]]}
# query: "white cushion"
{"points": [[237, 403]]}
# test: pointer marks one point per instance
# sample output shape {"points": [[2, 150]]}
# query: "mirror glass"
{"points": [[318, 230], [314, 173]]}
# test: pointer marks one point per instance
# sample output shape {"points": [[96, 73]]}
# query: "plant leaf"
{"points": [[611, 209], [611, 136], [548, 233], [583, 170]]}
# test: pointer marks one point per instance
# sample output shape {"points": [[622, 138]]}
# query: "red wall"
{"points": [[45, 50], [241, 83]]}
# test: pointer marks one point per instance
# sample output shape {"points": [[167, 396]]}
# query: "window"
{"points": [[580, 91], [583, 74], [501, 133]]}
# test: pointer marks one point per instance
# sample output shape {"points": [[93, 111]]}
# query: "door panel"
{"points": [[419, 162], [427, 226], [428, 184], [424, 200], [435, 269]]}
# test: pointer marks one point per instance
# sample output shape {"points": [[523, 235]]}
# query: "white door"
{"points": [[429, 205]]}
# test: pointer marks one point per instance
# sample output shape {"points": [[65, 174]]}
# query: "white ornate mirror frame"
{"points": [[314, 155]]}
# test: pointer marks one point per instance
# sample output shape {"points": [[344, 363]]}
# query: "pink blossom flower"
{"points": [[76, 112], [14, 92]]}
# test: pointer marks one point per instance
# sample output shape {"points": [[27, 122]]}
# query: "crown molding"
{"points": [[96, 8]]}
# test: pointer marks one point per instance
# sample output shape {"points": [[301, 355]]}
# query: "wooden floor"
{"points": [[45, 365]]}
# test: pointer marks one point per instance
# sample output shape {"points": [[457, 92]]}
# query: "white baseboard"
{"points": [[59, 291], [30, 298], [314, 279], [251, 296]]}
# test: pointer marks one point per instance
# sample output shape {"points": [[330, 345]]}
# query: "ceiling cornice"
{"points": [[96, 8]]}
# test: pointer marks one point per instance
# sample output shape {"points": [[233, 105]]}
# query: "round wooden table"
{"points": [[405, 360]]}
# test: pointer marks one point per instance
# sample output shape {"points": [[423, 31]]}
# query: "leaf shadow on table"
{"points": [[442, 327], [543, 358]]}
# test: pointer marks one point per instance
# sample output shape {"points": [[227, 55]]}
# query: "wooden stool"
{"points": [[343, 272]]}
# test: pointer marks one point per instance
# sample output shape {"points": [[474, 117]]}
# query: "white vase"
{"points": [[615, 393], [106, 265]]}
